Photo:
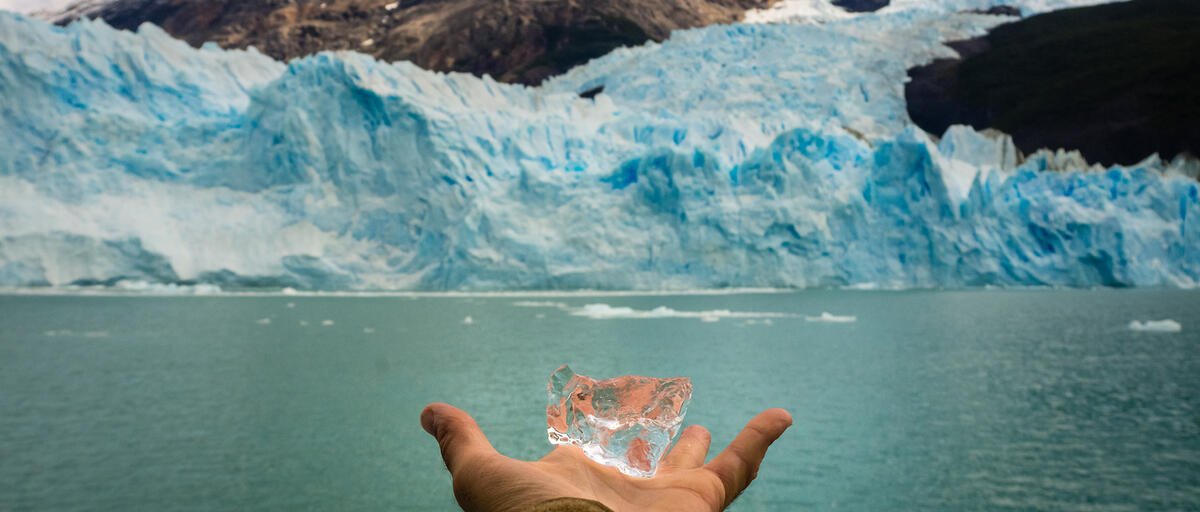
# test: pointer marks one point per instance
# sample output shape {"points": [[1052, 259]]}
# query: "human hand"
{"points": [[485, 481]]}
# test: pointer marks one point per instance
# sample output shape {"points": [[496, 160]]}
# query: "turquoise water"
{"points": [[979, 400]]}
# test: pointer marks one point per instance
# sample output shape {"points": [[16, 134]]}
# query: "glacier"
{"points": [[743, 155]]}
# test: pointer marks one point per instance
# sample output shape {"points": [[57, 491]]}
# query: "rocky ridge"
{"points": [[519, 41]]}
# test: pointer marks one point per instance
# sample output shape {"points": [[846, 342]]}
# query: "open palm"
{"points": [[485, 481]]}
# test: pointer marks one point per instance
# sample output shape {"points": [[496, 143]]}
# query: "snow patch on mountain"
{"points": [[819, 11]]}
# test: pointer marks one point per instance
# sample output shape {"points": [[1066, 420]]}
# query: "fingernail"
{"points": [[429, 421]]}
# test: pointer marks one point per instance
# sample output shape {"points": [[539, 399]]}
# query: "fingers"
{"points": [[690, 449], [738, 464], [457, 434]]}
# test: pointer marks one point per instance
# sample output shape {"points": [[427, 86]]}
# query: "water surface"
{"points": [[974, 400]]}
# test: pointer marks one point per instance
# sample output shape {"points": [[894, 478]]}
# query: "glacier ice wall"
{"points": [[742, 155]]}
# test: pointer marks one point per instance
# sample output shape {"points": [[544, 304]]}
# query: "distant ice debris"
{"points": [[828, 317], [468, 320], [291, 305], [304, 323], [368, 330], [69, 332], [289, 291], [607, 312], [1166, 325], [263, 321], [147, 288], [326, 323], [540, 304]]}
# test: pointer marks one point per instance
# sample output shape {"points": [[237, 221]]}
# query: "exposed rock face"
{"points": [[522, 41], [999, 10], [1115, 81], [861, 5]]}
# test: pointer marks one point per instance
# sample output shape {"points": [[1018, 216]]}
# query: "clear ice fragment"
{"points": [[627, 422]]}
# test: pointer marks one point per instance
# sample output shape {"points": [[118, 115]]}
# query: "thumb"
{"points": [[457, 434]]}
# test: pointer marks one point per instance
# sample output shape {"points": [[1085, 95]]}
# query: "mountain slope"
{"points": [[522, 41], [1117, 82]]}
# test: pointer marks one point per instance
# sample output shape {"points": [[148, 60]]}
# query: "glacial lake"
{"points": [[930, 400]]}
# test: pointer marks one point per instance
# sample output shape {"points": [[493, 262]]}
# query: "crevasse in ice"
{"points": [[741, 155]]}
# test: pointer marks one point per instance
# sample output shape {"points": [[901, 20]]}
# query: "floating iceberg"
{"points": [[627, 422], [606, 312], [828, 317], [771, 156], [1167, 325]]}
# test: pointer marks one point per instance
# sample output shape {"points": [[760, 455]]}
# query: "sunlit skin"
{"points": [[486, 481]]}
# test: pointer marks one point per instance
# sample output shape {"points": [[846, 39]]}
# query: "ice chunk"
{"points": [[607, 312], [326, 323], [1166, 325], [627, 422], [263, 321], [828, 317]]}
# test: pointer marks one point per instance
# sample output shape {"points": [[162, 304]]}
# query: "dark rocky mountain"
{"points": [[861, 5], [523, 41], [1117, 81]]}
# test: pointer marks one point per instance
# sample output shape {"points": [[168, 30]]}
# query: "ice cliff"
{"points": [[744, 155]]}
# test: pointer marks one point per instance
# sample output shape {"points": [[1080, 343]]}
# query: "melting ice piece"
{"points": [[627, 422], [1167, 325]]}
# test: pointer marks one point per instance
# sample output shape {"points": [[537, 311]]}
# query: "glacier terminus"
{"points": [[745, 155]]}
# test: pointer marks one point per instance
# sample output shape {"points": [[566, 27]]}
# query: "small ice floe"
{"points": [[540, 304], [468, 320], [540, 316], [607, 312], [368, 330], [263, 321], [289, 291], [1166, 325], [291, 305], [326, 323], [828, 317], [68, 332], [304, 323]]}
